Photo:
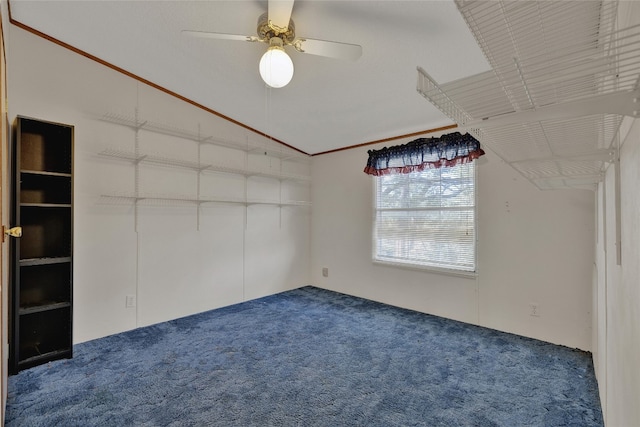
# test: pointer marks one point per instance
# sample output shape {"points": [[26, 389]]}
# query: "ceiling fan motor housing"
{"points": [[266, 31]]}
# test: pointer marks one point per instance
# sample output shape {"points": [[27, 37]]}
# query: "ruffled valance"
{"points": [[448, 150]]}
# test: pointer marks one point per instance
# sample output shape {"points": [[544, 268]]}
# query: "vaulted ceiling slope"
{"points": [[329, 104]]}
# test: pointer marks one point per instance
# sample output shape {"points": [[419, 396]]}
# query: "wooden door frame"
{"points": [[4, 181]]}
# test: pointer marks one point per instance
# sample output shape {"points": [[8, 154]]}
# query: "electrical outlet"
{"points": [[130, 301], [325, 272], [534, 310]]}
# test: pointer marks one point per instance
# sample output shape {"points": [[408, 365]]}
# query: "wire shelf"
{"points": [[196, 166], [546, 57], [181, 200], [273, 150]]}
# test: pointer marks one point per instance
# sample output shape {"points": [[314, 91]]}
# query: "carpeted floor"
{"points": [[310, 357]]}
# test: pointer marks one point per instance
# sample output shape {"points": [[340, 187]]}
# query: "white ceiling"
{"points": [[330, 103]]}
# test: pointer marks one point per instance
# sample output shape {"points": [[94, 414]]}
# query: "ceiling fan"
{"points": [[277, 29]]}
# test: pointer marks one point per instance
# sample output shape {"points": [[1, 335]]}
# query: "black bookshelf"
{"points": [[41, 311]]}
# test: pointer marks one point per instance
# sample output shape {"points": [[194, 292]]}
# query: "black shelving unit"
{"points": [[41, 309]]}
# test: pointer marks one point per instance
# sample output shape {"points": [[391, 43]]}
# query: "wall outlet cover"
{"points": [[534, 310], [130, 301]]}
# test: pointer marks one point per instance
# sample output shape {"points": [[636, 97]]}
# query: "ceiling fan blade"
{"points": [[330, 49], [219, 36], [280, 14]]}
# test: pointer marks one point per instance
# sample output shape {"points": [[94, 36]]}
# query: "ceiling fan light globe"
{"points": [[276, 68]]}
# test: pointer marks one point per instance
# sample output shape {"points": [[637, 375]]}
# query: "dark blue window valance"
{"points": [[448, 150]]}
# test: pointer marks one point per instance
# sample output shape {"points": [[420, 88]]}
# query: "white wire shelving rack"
{"points": [[563, 78], [196, 166], [274, 150], [137, 157], [156, 199]]}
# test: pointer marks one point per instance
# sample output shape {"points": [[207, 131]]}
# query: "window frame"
{"points": [[421, 267]]}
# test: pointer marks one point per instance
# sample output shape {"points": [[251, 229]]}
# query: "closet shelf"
{"points": [[44, 173], [44, 261], [156, 199], [137, 124], [41, 358], [45, 205], [160, 160], [40, 308], [276, 203], [294, 156]]}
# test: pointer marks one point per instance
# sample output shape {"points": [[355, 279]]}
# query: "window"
{"points": [[427, 218]]}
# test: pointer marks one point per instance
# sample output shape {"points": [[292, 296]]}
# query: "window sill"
{"points": [[427, 269]]}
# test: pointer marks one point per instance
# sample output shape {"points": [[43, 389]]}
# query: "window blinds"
{"points": [[427, 218]]}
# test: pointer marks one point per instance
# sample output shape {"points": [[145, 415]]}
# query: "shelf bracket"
{"points": [[603, 155], [620, 103]]}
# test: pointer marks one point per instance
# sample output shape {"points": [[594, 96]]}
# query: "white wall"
{"points": [[616, 290], [533, 247], [176, 261], [618, 287]]}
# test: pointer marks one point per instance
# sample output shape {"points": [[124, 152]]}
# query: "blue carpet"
{"points": [[310, 357]]}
